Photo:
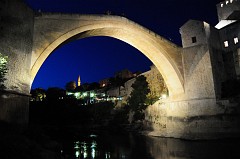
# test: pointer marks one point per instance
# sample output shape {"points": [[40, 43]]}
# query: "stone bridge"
{"points": [[28, 38], [53, 30]]}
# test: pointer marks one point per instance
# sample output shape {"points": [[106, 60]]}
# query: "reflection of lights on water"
{"points": [[76, 145], [85, 149], [84, 154], [93, 153], [107, 155], [123, 156], [77, 153], [93, 147], [92, 135]]}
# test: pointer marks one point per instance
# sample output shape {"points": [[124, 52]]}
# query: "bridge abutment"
{"points": [[16, 23], [193, 119], [14, 108]]}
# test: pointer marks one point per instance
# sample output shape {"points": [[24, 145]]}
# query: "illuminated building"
{"points": [[104, 82], [79, 81]]}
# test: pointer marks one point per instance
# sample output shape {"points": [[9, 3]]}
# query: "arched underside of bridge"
{"points": [[164, 55]]}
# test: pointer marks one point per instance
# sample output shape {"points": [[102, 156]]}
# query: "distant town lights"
{"points": [[92, 94], [77, 94]]}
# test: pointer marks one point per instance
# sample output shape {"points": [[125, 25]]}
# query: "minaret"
{"points": [[79, 81]]}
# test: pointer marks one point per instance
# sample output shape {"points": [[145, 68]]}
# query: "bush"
{"points": [[3, 70]]}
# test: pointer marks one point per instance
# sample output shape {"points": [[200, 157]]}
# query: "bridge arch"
{"points": [[165, 55]]}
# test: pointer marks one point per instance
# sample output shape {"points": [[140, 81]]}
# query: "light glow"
{"points": [[92, 94], [235, 40], [77, 95], [164, 96], [224, 23], [77, 153], [225, 43]]}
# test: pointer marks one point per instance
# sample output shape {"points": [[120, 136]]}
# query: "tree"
{"points": [[93, 86], [70, 86], [55, 93], [151, 98], [138, 97], [38, 94], [3, 70]]}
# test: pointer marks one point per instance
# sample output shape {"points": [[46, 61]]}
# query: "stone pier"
{"points": [[194, 119]]}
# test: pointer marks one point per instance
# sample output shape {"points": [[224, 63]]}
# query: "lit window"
{"points": [[221, 4], [194, 39], [225, 43], [227, 2], [236, 40], [231, 1]]}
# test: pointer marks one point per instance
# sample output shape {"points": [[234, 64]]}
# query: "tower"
{"points": [[228, 10], [79, 81]]}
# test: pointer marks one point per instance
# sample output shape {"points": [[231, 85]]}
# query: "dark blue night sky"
{"points": [[96, 58]]}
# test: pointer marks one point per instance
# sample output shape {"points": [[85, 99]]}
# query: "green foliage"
{"points": [[38, 94], [70, 86], [3, 70], [120, 116], [138, 97], [139, 94], [116, 82], [151, 99], [55, 93]]}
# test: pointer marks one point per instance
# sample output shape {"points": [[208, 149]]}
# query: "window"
{"points": [[231, 1], [235, 40], [221, 4], [225, 43], [227, 2], [194, 39]]}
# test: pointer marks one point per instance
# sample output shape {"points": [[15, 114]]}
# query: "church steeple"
{"points": [[79, 81]]}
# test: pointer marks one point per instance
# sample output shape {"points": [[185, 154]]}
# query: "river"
{"points": [[107, 145]]}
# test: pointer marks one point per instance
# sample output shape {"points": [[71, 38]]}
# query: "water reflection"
{"points": [[165, 148], [132, 146], [85, 149]]}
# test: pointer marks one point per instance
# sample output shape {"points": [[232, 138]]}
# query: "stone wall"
{"points": [[228, 34], [16, 30], [193, 33], [198, 73], [226, 8], [195, 119], [14, 108], [16, 23]]}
